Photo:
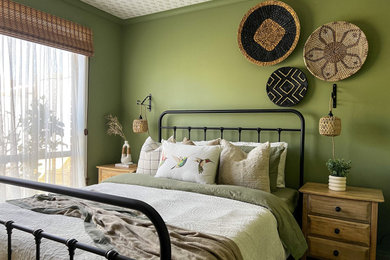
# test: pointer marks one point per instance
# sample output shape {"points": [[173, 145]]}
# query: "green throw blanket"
{"points": [[289, 230]]}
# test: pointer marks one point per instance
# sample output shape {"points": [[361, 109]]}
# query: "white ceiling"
{"points": [[126, 9]]}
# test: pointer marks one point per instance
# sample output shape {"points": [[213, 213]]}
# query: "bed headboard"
{"points": [[239, 129]]}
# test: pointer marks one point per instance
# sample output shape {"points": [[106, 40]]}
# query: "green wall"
{"points": [[189, 58], [192, 61], [104, 93]]}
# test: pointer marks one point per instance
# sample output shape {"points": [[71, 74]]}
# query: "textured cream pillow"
{"points": [[187, 141], [244, 169], [209, 142], [248, 146], [189, 162]]}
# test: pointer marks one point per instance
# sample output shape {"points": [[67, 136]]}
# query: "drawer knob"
{"points": [[335, 253], [338, 209], [337, 231]]}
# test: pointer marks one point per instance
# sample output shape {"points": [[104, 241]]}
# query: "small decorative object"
{"points": [[335, 51], [126, 153], [287, 86], [268, 33], [115, 128], [140, 125], [121, 165], [338, 168]]}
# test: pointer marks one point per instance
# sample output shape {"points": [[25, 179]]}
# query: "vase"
{"points": [[337, 183], [126, 153]]}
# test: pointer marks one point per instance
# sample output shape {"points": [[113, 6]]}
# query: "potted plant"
{"points": [[339, 169]]}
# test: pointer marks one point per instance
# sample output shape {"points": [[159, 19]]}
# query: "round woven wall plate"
{"points": [[268, 33], [335, 51], [287, 86]]}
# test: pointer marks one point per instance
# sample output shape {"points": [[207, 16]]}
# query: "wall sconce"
{"points": [[149, 105], [334, 95], [140, 125]]}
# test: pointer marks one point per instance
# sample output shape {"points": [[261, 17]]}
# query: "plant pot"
{"points": [[337, 183]]}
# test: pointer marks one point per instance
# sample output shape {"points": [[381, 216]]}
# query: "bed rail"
{"points": [[222, 129], [72, 244]]}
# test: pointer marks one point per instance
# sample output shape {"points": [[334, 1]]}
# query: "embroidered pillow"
{"points": [[244, 169], [278, 154], [149, 157], [189, 163]]}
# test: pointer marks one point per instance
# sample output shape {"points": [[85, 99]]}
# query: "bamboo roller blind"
{"points": [[29, 24]]}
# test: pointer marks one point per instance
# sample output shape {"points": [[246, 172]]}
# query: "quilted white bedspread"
{"points": [[252, 228]]}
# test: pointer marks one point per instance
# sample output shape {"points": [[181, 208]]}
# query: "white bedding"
{"points": [[252, 228]]}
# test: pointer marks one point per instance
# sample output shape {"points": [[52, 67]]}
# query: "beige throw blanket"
{"points": [[130, 232]]}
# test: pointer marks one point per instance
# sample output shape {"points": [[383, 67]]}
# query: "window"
{"points": [[42, 115]]}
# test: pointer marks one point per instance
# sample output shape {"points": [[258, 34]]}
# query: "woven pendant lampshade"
{"points": [[330, 125], [140, 125]]}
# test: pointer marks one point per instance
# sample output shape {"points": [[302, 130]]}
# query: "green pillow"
{"points": [[274, 158]]}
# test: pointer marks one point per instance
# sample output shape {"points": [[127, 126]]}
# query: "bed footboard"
{"points": [[72, 244]]}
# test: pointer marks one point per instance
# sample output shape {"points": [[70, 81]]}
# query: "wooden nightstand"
{"points": [[340, 224], [107, 171]]}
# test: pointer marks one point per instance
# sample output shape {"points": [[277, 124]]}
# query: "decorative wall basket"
{"points": [[287, 86], [268, 33], [335, 51], [330, 126]]}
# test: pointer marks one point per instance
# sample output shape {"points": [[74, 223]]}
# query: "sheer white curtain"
{"points": [[42, 115]]}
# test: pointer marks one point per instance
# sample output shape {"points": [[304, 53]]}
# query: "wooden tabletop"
{"points": [[353, 193], [132, 167]]}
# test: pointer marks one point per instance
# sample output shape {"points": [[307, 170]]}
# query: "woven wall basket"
{"points": [[268, 33], [287, 86], [140, 125], [335, 51], [330, 126]]}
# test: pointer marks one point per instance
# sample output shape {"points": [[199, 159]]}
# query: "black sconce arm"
{"points": [[148, 106]]}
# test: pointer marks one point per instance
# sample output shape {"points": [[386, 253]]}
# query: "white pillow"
{"points": [[149, 157], [244, 169], [189, 163], [248, 146]]}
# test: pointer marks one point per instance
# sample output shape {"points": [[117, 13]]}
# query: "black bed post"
{"points": [[302, 148], [9, 228]]}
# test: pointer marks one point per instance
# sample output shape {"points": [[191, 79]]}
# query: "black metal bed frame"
{"points": [[222, 129], [73, 244], [162, 231]]}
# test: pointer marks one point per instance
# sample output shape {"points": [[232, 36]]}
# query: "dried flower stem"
{"points": [[114, 127]]}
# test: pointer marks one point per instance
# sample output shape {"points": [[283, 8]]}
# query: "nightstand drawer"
{"points": [[107, 171], [351, 209], [105, 174], [339, 229], [328, 249]]}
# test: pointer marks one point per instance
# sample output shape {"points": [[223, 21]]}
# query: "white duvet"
{"points": [[252, 228]]}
